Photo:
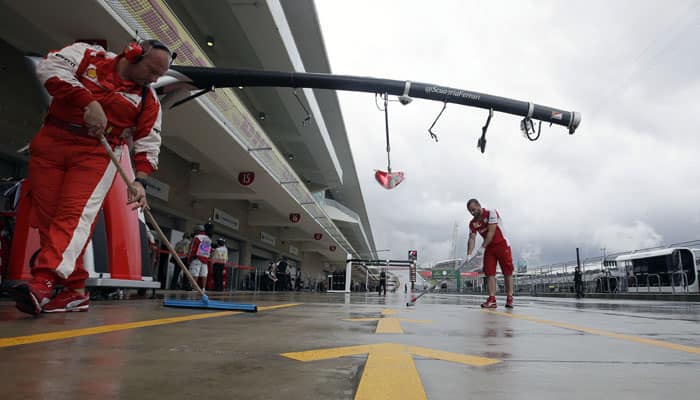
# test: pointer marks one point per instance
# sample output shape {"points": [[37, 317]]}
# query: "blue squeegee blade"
{"points": [[211, 304]]}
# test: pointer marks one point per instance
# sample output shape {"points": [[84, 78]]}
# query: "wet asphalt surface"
{"points": [[546, 348]]}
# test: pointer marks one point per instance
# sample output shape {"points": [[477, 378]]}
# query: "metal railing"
{"points": [[658, 281], [611, 256], [684, 280]]}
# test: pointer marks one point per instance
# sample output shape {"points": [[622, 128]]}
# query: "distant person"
{"points": [[405, 287], [219, 259], [578, 282], [200, 251], [283, 272], [495, 249], [382, 283], [271, 275], [182, 248]]}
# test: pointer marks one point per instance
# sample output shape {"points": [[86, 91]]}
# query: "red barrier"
{"points": [[210, 278], [122, 228], [228, 264], [5, 243], [25, 240]]}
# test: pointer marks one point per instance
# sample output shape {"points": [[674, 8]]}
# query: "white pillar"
{"points": [[348, 272]]}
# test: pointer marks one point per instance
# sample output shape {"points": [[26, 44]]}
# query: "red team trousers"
{"points": [[70, 176], [498, 253]]}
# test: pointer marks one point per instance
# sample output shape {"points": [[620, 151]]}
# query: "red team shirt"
{"points": [[481, 225], [81, 73], [498, 251]]}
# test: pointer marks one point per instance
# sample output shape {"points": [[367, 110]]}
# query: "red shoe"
{"points": [[509, 302], [490, 303], [66, 301], [30, 297]]}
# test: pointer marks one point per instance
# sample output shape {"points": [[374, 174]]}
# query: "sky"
{"points": [[627, 179]]}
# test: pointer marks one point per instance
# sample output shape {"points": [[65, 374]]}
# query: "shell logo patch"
{"points": [[91, 73]]}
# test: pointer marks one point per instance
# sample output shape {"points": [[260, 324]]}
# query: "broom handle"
{"points": [[149, 216]]}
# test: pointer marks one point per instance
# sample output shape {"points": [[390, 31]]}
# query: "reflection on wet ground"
{"points": [[545, 348]]}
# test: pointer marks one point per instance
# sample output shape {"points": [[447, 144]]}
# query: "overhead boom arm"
{"points": [[208, 77]]}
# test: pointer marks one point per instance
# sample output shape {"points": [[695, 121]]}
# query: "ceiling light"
{"points": [[210, 41], [290, 156], [194, 167], [261, 116]]}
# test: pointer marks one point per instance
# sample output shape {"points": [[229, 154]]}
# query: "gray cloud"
{"points": [[626, 179]]}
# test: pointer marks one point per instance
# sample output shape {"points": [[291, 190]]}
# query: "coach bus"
{"points": [[670, 270]]}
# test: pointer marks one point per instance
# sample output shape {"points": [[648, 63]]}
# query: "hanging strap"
{"points": [[144, 95], [386, 123]]}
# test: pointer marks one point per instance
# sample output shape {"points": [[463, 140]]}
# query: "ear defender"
{"points": [[133, 52], [136, 51]]}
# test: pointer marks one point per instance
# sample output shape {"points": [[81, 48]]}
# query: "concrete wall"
{"points": [[313, 267], [21, 109], [175, 171]]}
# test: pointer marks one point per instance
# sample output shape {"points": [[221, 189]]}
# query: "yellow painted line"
{"points": [[60, 335], [600, 332], [389, 372], [389, 325], [278, 306], [326, 354], [453, 357], [393, 325], [47, 337], [360, 319]]}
